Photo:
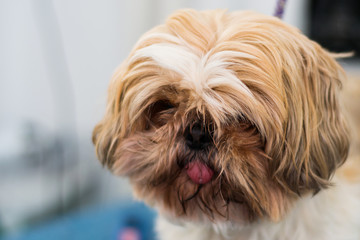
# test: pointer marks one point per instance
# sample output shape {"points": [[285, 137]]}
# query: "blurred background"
{"points": [[56, 60]]}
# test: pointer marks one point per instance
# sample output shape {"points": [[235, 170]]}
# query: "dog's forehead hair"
{"points": [[207, 77], [226, 68], [200, 75]]}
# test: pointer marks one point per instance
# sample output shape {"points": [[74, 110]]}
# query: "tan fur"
{"points": [[269, 94], [351, 103]]}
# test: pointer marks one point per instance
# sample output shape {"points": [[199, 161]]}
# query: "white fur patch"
{"points": [[201, 74], [332, 214]]}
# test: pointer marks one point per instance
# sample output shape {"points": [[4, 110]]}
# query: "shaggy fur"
{"points": [[268, 98]]}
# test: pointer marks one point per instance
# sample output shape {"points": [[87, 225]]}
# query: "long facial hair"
{"points": [[266, 95], [155, 160]]}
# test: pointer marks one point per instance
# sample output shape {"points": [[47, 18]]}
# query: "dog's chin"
{"points": [[188, 200], [226, 181], [183, 199]]}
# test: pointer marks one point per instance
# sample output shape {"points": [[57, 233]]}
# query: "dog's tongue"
{"points": [[199, 172]]}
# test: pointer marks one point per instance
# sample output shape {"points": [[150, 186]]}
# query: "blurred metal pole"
{"points": [[62, 89], [280, 8]]}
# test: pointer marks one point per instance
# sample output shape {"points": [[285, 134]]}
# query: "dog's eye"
{"points": [[160, 112], [160, 106], [245, 123]]}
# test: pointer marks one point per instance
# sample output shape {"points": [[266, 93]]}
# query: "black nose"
{"points": [[197, 137]]}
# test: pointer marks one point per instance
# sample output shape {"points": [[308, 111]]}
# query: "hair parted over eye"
{"points": [[160, 112]]}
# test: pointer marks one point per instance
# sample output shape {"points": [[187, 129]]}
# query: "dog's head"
{"points": [[224, 116]]}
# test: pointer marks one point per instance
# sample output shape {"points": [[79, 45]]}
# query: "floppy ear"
{"points": [[108, 132], [104, 141], [315, 140]]}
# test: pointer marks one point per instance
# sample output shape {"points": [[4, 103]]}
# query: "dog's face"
{"points": [[224, 116]]}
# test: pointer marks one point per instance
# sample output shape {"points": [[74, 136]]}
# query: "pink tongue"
{"points": [[199, 172]]}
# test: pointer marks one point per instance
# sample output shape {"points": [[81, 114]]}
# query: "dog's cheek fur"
{"points": [[242, 192], [248, 169]]}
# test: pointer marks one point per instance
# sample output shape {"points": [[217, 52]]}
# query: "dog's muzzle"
{"points": [[197, 137]]}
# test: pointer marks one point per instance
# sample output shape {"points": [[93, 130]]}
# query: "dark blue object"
{"points": [[280, 7], [102, 223]]}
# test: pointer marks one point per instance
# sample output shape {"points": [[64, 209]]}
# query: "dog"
{"points": [[230, 124]]}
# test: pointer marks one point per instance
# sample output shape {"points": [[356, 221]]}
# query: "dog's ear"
{"points": [[315, 138], [109, 131], [104, 142]]}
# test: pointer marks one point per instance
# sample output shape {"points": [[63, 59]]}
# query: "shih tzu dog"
{"points": [[230, 125]]}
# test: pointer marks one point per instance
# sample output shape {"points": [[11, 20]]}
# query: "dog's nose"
{"points": [[197, 137]]}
